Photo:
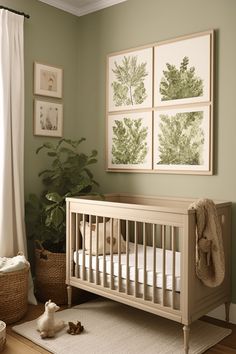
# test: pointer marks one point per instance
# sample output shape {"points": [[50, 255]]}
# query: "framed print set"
{"points": [[48, 114], [160, 107]]}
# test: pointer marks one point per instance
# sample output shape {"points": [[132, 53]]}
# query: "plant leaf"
{"points": [[54, 197], [52, 154], [94, 153], [57, 217], [44, 171]]}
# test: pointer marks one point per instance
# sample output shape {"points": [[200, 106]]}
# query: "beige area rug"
{"points": [[111, 327]]}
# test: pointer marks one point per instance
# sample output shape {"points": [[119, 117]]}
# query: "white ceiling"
{"points": [[81, 7]]}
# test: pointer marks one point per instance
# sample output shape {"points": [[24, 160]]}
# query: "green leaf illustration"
{"points": [[129, 88], [180, 83], [181, 139], [129, 145]]}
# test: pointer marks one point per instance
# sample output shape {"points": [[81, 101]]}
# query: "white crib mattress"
{"points": [[140, 273]]}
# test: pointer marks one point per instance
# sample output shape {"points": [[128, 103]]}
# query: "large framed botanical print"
{"points": [[159, 109]]}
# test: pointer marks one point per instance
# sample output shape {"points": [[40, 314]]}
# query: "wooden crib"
{"points": [[141, 251]]}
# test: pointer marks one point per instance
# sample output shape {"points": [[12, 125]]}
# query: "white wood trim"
{"points": [[219, 313], [98, 5], [82, 10], [62, 5]]}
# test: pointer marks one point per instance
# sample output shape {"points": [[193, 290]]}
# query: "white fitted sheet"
{"points": [[140, 272]]}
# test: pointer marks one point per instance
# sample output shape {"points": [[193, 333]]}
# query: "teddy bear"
{"points": [[47, 325]]}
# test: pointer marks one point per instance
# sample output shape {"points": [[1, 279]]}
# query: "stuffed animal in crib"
{"points": [[47, 325]]}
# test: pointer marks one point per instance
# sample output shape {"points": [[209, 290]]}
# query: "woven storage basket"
{"points": [[2, 335], [50, 276], [14, 295]]}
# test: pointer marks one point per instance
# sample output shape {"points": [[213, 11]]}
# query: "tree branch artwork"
{"points": [[129, 142], [129, 88], [180, 83], [181, 139]]}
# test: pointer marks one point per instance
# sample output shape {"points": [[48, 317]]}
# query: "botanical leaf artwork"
{"points": [[129, 88], [180, 83], [129, 142], [181, 139]]}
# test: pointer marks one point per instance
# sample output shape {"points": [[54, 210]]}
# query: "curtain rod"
{"points": [[14, 11]]}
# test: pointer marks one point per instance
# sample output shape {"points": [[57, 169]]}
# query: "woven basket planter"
{"points": [[50, 276], [50, 279], [14, 295]]}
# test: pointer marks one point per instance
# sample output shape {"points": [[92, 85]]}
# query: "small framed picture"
{"points": [[47, 80], [129, 141], [48, 118]]}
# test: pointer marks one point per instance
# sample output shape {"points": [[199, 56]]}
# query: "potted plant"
{"points": [[69, 175]]}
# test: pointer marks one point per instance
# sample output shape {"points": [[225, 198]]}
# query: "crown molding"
{"points": [[82, 10]]}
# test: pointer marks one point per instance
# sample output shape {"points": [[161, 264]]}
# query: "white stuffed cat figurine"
{"points": [[47, 325]]}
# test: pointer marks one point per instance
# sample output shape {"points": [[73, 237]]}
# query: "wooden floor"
{"points": [[17, 344]]}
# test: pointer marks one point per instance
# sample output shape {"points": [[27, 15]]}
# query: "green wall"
{"points": [[139, 22], [50, 38], [80, 45]]}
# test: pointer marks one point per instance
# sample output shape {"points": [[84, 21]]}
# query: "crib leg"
{"points": [[69, 295], [227, 306], [186, 330]]}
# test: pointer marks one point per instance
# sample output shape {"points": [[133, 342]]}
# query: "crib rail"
{"points": [[130, 258]]}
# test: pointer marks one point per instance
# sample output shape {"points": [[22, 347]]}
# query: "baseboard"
{"points": [[219, 313]]}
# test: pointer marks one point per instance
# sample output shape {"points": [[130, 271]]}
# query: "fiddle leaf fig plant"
{"points": [[68, 176]]}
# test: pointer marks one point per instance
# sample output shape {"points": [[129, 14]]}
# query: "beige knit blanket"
{"points": [[210, 261]]}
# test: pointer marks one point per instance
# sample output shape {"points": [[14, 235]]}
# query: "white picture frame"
{"points": [[123, 92], [183, 140], [122, 150], [183, 70], [48, 118], [48, 80]]}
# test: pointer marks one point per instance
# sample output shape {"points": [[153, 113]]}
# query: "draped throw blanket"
{"points": [[210, 261]]}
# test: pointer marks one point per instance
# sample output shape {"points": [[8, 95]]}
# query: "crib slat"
{"points": [[111, 252], [135, 260], [163, 234], [71, 244], [144, 261], [104, 252], [77, 245], [119, 256], [83, 249], [154, 264], [127, 257], [90, 249], [97, 240], [173, 265]]}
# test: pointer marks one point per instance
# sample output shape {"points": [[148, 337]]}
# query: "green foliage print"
{"points": [[181, 139], [182, 83], [129, 88], [129, 145]]}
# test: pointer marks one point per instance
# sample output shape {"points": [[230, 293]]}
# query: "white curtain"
{"points": [[12, 227]]}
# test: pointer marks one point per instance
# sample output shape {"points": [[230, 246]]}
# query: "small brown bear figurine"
{"points": [[75, 328]]}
